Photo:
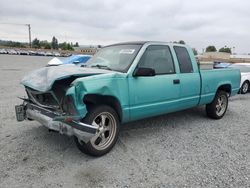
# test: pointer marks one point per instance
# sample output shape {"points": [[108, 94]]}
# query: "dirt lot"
{"points": [[184, 149]]}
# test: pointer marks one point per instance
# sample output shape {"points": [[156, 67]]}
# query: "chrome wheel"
{"points": [[221, 105], [245, 87], [106, 131], [107, 124], [218, 107]]}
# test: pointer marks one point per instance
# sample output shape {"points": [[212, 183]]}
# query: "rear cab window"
{"points": [[184, 59]]}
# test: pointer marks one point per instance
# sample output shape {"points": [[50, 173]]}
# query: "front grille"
{"points": [[45, 99]]}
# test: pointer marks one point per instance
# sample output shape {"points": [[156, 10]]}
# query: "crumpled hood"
{"points": [[43, 79]]}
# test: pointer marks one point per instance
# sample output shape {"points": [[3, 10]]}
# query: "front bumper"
{"points": [[55, 121]]}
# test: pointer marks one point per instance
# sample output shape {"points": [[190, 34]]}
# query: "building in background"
{"points": [[87, 49], [223, 57], [240, 58]]}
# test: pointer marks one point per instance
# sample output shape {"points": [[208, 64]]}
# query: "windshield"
{"points": [[117, 57], [243, 68]]}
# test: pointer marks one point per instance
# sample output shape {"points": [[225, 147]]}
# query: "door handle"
{"points": [[176, 81]]}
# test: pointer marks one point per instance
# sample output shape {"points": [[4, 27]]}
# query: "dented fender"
{"points": [[112, 84]]}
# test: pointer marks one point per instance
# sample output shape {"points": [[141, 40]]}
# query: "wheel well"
{"points": [[226, 88], [247, 81], [95, 99]]}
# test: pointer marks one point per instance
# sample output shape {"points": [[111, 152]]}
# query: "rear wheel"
{"points": [[106, 119], [245, 87], [218, 107]]}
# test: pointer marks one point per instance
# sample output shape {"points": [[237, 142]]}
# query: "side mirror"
{"points": [[141, 71]]}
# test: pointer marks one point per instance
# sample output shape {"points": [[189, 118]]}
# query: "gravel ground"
{"points": [[183, 149]]}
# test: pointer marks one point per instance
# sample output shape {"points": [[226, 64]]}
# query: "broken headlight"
{"points": [[68, 106]]}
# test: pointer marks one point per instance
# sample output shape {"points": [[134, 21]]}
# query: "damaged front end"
{"points": [[57, 114], [52, 100]]}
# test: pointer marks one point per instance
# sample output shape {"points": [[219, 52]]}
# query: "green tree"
{"points": [[63, 46], [70, 46], [76, 44], [211, 49], [181, 42], [13, 44], [225, 49], [66, 46], [45, 44], [36, 43], [54, 43], [195, 51]]}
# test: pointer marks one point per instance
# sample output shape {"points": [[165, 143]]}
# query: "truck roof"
{"points": [[144, 42]]}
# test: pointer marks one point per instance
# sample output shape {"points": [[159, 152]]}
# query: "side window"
{"points": [[159, 58], [184, 60]]}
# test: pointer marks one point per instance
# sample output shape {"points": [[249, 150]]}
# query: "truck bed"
{"points": [[211, 79]]}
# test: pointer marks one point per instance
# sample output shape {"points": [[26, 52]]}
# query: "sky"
{"points": [[198, 23]]}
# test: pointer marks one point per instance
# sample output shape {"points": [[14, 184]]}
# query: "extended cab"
{"points": [[122, 83]]}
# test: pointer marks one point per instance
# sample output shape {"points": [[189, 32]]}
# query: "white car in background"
{"points": [[245, 76], [3, 51], [11, 52]]}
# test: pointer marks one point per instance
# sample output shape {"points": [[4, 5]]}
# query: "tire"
{"points": [[218, 108], [107, 119], [244, 88]]}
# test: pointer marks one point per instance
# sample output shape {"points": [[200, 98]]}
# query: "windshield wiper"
{"points": [[101, 66]]}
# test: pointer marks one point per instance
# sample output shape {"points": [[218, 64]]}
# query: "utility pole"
{"points": [[29, 29], [29, 34]]}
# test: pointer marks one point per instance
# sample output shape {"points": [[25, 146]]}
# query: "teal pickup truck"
{"points": [[122, 83]]}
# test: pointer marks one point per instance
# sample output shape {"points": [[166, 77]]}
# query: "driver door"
{"points": [[154, 95]]}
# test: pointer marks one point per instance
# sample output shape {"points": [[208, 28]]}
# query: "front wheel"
{"points": [[218, 107], [245, 87], [107, 121]]}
